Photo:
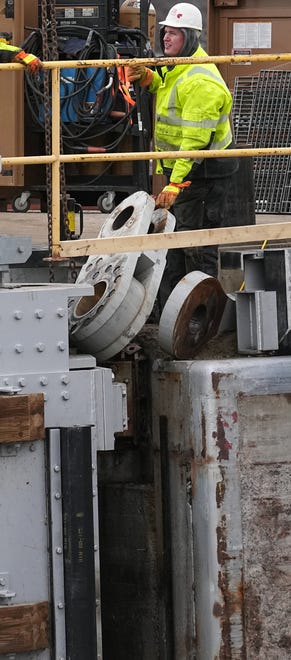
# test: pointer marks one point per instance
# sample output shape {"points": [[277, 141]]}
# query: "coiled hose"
{"points": [[88, 96]]}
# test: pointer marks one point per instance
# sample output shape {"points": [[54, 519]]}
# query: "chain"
{"points": [[73, 271], [47, 128], [55, 57], [50, 52]]}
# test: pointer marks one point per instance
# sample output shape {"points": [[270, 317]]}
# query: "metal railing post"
{"points": [[56, 188]]}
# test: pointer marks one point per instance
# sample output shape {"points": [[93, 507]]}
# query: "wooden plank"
{"points": [[21, 417], [141, 243], [24, 628]]}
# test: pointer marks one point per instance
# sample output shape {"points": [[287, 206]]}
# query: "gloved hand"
{"points": [[30, 61], [166, 198], [139, 72]]}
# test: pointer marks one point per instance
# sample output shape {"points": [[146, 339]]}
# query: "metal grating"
{"points": [[261, 118], [243, 104]]}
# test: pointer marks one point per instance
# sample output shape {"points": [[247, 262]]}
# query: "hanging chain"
{"points": [[50, 52], [47, 128], [55, 57]]}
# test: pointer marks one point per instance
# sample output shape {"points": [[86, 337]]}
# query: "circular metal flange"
{"points": [[131, 217], [114, 294], [191, 315]]}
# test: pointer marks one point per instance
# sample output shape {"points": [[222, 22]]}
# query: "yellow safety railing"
{"points": [[140, 243]]}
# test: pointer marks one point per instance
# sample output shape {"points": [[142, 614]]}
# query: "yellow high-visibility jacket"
{"points": [[193, 105], [7, 52]]}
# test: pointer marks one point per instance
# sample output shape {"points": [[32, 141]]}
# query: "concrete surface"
{"points": [[34, 223]]}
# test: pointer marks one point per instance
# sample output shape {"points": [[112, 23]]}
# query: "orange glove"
{"points": [[166, 198], [30, 61], [139, 72]]}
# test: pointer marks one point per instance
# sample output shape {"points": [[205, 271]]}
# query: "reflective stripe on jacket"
{"points": [[193, 106], [7, 52]]}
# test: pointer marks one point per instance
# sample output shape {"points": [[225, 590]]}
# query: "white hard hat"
{"points": [[184, 15]]}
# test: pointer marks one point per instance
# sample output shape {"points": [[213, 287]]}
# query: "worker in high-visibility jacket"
{"points": [[9, 53], [193, 106]]}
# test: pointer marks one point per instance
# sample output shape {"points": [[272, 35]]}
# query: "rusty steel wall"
{"points": [[230, 420], [265, 457]]}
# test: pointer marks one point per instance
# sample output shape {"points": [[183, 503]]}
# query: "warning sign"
{"points": [[241, 51]]}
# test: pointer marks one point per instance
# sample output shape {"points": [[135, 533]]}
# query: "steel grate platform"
{"points": [[261, 118]]}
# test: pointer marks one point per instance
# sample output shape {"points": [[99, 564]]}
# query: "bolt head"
{"points": [[18, 348], [40, 347], [61, 346]]}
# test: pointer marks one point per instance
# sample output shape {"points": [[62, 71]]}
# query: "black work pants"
{"points": [[200, 206]]}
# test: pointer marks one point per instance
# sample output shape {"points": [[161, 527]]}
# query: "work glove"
{"points": [[136, 72], [31, 62], [167, 197]]}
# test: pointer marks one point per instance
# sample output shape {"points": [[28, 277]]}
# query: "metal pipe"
{"points": [[154, 61], [145, 155], [56, 136]]}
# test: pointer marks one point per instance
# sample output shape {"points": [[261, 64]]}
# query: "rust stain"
{"points": [[222, 554], [215, 382], [216, 377], [217, 610], [174, 376], [233, 602], [225, 647], [203, 429], [252, 619], [205, 459], [220, 492], [221, 541], [193, 477], [221, 441]]}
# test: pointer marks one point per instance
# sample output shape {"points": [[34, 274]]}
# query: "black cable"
{"points": [[81, 85], [87, 97]]}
